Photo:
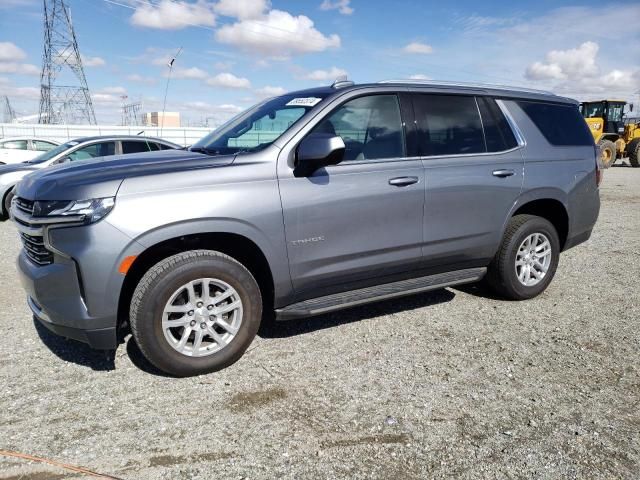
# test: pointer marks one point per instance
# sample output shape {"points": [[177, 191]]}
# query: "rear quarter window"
{"points": [[561, 125]]}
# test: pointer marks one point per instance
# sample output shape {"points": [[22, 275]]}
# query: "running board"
{"points": [[338, 301]]}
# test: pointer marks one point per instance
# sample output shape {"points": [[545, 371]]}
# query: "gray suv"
{"points": [[307, 203]]}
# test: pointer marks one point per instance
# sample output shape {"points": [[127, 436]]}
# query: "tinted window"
{"points": [[560, 124], [371, 127], [497, 132], [133, 146], [42, 146], [165, 147], [448, 125], [15, 145], [103, 149]]}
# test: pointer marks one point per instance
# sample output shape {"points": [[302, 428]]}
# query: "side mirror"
{"points": [[61, 160], [631, 107], [316, 151]]}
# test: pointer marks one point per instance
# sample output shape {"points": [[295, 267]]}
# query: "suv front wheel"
{"points": [[526, 260], [195, 312]]}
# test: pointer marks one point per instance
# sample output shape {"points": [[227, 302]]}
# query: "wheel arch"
{"points": [[4, 197], [238, 246], [552, 207]]}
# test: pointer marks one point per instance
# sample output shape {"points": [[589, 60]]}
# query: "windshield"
{"points": [[52, 153], [593, 110], [258, 127]]}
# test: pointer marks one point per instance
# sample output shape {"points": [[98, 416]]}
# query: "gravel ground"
{"points": [[450, 384]]}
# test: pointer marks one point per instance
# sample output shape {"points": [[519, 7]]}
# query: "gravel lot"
{"points": [[449, 384]]}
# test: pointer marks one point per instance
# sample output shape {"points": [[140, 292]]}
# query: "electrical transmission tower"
{"points": [[131, 115], [9, 112], [64, 95]]}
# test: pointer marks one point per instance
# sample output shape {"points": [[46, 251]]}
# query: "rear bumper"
{"points": [[577, 239]]}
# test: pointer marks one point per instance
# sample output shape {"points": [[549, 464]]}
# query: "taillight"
{"points": [[599, 172]]}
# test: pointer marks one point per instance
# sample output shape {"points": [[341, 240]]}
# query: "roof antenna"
{"points": [[341, 81]]}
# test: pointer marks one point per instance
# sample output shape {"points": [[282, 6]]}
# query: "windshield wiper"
{"points": [[205, 150]]}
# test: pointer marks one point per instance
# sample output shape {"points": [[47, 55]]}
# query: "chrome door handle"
{"points": [[403, 181], [503, 173]]}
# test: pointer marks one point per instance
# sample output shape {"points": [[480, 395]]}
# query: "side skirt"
{"points": [[339, 301]]}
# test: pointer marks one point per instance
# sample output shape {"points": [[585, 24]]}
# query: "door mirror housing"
{"points": [[61, 160], [316, 151]]}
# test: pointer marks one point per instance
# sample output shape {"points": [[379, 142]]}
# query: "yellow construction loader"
{"points": [[616, 135]]}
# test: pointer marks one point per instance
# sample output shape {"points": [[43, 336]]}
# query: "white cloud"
{"points": [[269, 91], [324, 75], [228, 80], [93, 61], [106, 98], [200, 106], [19, 68], [277, 33], [242, 9], [574, 63], [174, 15], [343, 6], [10, 52], [418, 47], [141, 79], [419, 76], [193, 73], [27, 93], [114, 90], [575, 71]]}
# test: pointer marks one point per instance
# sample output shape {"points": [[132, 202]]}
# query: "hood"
{"points": [[17, 167], [101, 177]]}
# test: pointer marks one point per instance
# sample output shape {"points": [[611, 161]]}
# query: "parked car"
{"points": [[307, 203], [20, 149], [79, 149]]}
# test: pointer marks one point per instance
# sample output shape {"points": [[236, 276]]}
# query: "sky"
{"points": [[236, 52]]}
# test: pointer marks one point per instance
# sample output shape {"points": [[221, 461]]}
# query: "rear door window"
{"points": [[561, 124], [42, 146], [448, 125], [135, 146]]}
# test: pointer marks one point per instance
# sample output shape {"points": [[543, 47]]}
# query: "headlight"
{"points": [[87, 211]]}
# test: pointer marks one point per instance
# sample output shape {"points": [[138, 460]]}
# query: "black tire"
{"points": [[6, 204], [501, 274], [162, 280], [633, 150], [607, 153]]}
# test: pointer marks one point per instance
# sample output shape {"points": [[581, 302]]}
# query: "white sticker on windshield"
{"points": [[304, 102]]}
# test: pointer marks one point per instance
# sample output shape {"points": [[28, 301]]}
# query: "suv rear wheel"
{"points": [[195, 312], [527, 258]]}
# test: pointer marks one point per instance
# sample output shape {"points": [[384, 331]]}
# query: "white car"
{"points": [[79, 149], [21, 149]]}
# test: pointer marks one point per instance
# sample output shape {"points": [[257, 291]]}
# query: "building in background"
{"points": [[160, 119]]}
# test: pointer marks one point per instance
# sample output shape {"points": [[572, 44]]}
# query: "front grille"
{"points": [[35, 249], [31, 234]]}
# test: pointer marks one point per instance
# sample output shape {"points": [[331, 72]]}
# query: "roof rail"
{"points": [[341, 81], [469, 84]]}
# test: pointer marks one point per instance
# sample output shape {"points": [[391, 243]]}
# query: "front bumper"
{"points": [[70, 274], [54, 296]]}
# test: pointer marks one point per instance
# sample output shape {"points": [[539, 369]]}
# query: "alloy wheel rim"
{"points": [[533, 259], [202, 317]]}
